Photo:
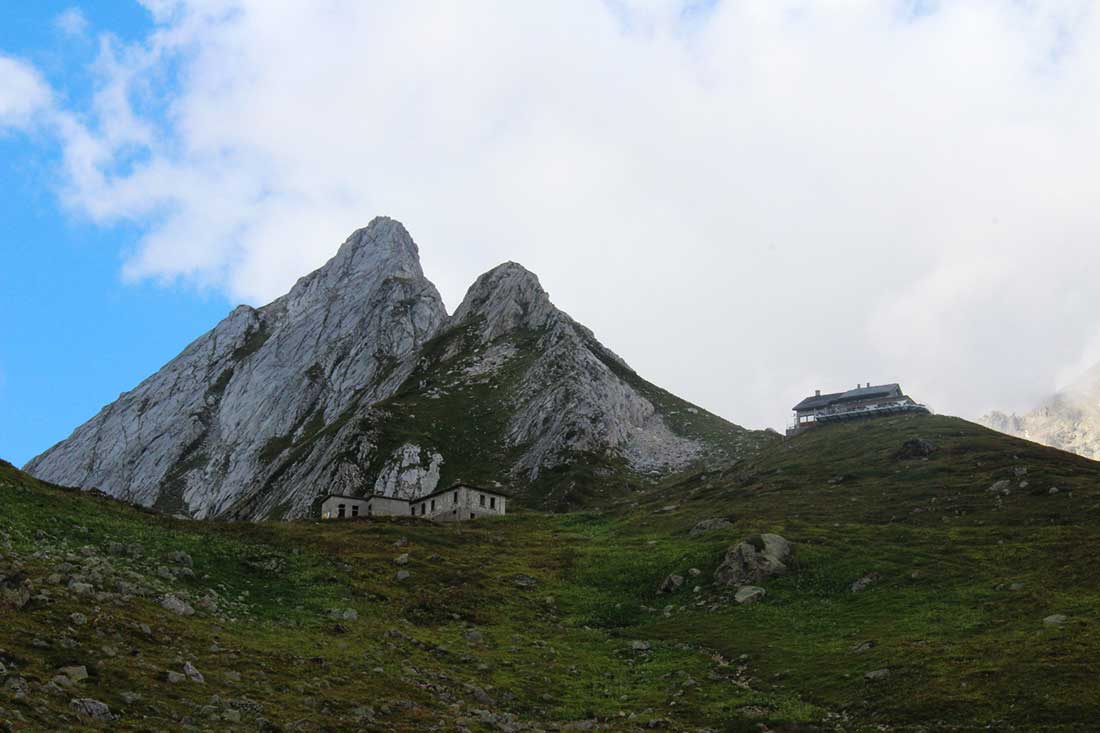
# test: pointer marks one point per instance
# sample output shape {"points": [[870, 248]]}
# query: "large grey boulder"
{"points": [[754, 560]]}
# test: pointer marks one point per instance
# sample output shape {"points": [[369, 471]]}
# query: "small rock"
{"points": [[179, 557], [524, 581], [402, 575], [878, 674], [402, 559], [78, 619], [708, 525], [91, 709], [749, 594], [671, 584], [865, 582], [1003, 487], [75, 673], [193, 674], [474, 635], [864, 646], [915, 448], [640, 646], [175, 677], [1057, 619], [176, 605]]}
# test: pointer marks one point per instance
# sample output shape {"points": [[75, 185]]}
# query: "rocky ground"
{"points": [[907, 574]]}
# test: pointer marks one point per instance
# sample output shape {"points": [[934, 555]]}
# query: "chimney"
{"points": [[817, 393]]}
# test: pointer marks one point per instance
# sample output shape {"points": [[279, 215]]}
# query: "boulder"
{"points": [[179, 557], [915, 448], [708, 525], [89, 709], [754, 560], [193, 674], [177, 606], [671, 584], [749, 594]]}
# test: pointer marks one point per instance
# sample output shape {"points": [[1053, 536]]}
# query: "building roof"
{"points": [[459, 485], [859, 393], [368, 497]]}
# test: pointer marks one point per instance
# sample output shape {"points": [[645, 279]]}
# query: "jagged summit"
{"points": [[356, 381], [507, 298]]}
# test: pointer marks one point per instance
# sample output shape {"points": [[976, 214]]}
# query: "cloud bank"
{"points": [[747, 200]]}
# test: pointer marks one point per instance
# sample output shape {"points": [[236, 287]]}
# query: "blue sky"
{"points": [[74, 334], [746, 200]]}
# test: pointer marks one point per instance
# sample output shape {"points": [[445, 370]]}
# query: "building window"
{"points": [[369, 511], [492, 502], [341, 510], [423, 507], [412, 509], [454, 499], [355, 511], [482, 499], [433, 505]]}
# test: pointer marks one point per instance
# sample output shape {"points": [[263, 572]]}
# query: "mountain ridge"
{"points": [[319, 392]]}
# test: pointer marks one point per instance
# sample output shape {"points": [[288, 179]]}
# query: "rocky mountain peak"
{"points": [[507, 298]]}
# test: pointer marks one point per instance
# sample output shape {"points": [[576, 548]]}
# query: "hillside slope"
{"points": [[977, 607], [279, 405]]}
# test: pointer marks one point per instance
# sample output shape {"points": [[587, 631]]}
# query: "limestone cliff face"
{"points": [[357, 381], [217, 421], [1069, 420]]}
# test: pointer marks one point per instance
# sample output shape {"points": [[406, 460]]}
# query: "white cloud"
{"points": [[24, 95], [71, 22], [747, 202]]}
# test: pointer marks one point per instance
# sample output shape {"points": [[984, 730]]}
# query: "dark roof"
{"points": [[817, 401], [459, 485], [859, 393]]}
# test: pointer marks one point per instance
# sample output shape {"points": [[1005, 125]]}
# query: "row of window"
{"points": [[342, 509]]}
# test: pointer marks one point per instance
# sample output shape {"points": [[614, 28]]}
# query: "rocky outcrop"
{"points": [[357, 381], [754, 561], [1069, 420]]}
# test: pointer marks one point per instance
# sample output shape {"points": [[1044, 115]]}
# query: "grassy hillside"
{"points": [[554, 622]]}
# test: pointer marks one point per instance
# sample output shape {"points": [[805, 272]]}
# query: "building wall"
{"points": [[378, 506], [460, 504], [331, 508], [387, 506]]}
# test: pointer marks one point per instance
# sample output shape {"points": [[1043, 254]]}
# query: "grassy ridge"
{"points": [[531, 620]]}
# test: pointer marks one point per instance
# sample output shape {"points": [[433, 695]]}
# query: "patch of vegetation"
{"points": [[543, 619]]}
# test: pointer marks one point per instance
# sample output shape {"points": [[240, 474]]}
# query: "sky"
{"points": [[746, 200]]}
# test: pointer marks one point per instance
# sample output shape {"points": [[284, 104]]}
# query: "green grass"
{"points": [[964, 650]]}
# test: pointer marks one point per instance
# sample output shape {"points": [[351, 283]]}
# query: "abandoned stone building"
{"points": [[460, 502]]}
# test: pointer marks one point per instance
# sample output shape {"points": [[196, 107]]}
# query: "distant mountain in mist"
{"points": [[1069, 419]]}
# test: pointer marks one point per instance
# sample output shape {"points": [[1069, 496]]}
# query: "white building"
{"points": [[460, 503], [457, 503]]}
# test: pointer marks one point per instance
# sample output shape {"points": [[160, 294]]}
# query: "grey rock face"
{"points": [[216, 425], [356, 381]]}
